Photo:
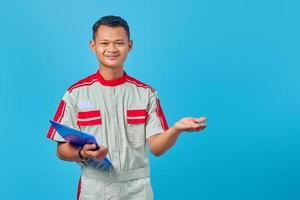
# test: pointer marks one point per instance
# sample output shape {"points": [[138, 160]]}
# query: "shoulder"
{"points": [[137, 83], [87, 81]]}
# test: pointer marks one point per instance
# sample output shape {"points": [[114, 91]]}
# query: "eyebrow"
{"points": [[117, 40]]}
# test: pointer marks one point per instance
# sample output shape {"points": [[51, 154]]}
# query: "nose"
{"points": [[111, 48]]}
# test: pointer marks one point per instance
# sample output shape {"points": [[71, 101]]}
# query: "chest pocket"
{"points": [[90, 121], [136, 120], [89, 118]]}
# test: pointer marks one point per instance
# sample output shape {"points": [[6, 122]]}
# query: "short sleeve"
{"points": [[156, 122], [65, 114]]}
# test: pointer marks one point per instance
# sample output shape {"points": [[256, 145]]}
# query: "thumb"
{"points": [[89, 147]]}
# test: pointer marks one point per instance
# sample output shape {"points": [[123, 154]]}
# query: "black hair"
{"points": [[112, 21]]}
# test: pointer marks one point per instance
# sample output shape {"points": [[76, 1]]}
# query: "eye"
{"points": [[119, 43], [103, 43]]}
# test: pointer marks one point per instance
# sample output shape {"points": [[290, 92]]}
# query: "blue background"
{"points": [[236, 62]]}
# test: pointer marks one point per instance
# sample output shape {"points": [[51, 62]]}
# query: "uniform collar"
{"points": [[113, 82]]}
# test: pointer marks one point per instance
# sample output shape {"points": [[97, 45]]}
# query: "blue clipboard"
{"points": [[79, 139]]}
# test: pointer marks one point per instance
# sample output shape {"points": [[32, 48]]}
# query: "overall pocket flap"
{"points": [[137, 116], [87, 118]]}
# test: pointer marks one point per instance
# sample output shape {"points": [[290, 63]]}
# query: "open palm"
{"points": [[190, 124]]}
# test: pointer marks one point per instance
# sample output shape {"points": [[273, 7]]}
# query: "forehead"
{"points": [[110, 33]]}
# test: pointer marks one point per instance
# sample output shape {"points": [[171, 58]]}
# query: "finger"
{"points": [[200, 119], [93, 154], [194, 125], [89, 154], [102, 146], [203, 126], [103, 150], [189, 124], [101, 157], [102, 154], [89, 147]]}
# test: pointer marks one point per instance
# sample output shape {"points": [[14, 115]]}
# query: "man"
{"points": [[123, 114]]}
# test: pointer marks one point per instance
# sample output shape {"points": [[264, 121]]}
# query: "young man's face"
{"points": [[111, 45]]}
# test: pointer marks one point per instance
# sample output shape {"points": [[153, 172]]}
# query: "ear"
{"points": [[93, 45], [130, 44]]}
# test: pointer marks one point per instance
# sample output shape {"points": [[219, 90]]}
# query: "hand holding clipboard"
{"points": [[77, 138]]}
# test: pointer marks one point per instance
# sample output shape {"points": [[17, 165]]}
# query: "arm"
{"points": [[68, 152], [160, 143]]}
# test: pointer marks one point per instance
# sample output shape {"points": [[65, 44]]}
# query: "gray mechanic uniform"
{"points": [[121, 114]]}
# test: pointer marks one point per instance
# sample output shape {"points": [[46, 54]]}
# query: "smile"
{"points": [[112, 57]]}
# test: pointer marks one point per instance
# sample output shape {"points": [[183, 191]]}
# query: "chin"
{"points": [[112, 65]]}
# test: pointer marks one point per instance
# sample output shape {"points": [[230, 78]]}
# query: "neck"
{"points": [[109, 73]]}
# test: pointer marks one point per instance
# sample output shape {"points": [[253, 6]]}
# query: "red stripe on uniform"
{"points": [[136, 113], [138, 83], [89, 122], [57, 118], [79, 189], [136, 121], [89, 114], [84, 82], [161, 116]]}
